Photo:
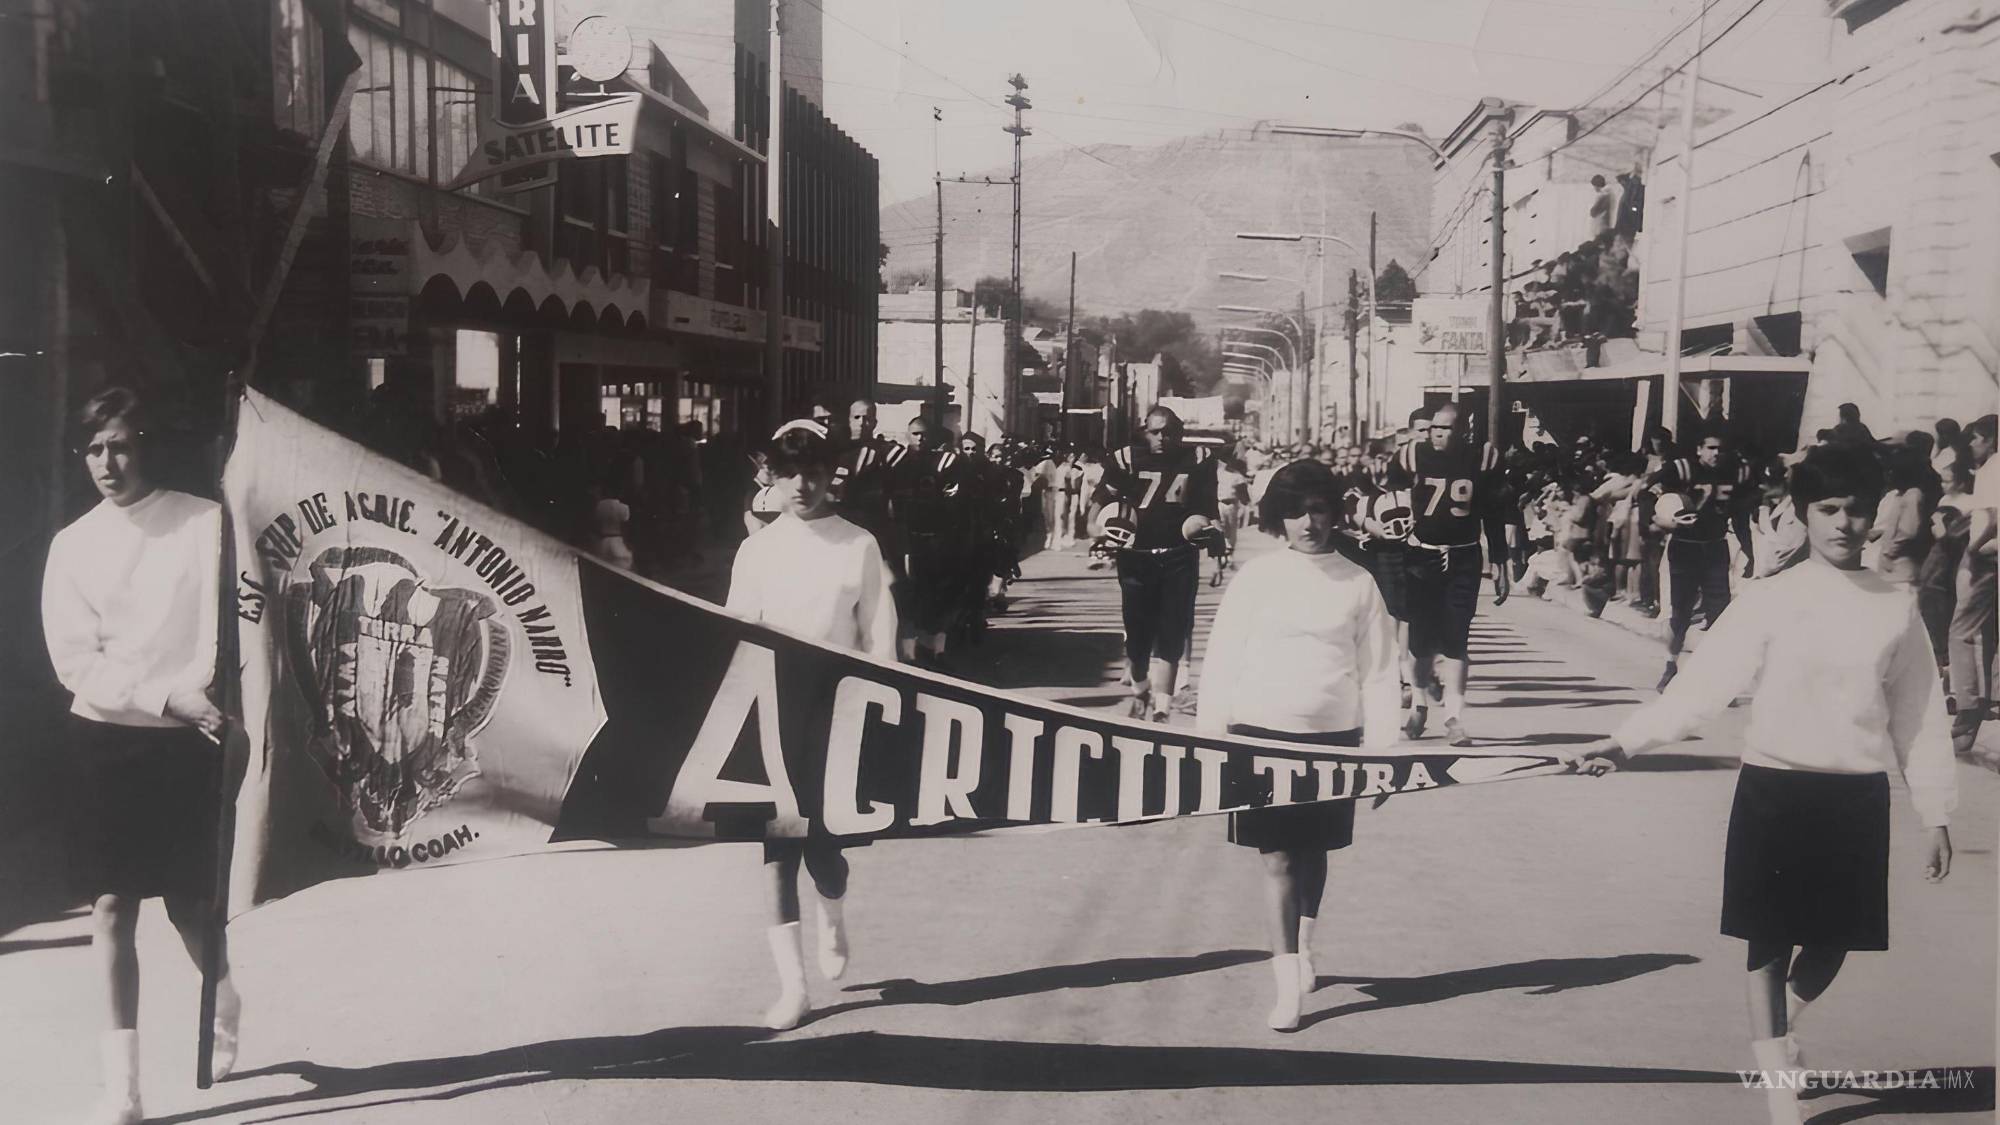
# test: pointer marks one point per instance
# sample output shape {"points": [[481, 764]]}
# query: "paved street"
{"points": [[1542, 950]]}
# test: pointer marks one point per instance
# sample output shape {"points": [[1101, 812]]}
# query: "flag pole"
{"points": [[228, 684], [227, 679]]}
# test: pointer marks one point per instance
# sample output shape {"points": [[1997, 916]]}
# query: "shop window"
{"points": [[476, 371]]}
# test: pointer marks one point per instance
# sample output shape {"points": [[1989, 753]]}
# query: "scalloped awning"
{"points": [[624, 301]]}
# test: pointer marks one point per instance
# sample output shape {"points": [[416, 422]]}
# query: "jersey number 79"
{"points": [[1460, 490]]}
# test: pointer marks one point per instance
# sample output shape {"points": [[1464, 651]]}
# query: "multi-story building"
{"points": [[1842, 246], [1845, 243], [975, 363], [160, 181]]}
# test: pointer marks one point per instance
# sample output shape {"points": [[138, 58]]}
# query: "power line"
{"points": [[1700, 49], [1419, 40], [1307, 59]]}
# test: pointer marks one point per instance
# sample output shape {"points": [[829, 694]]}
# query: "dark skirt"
{"points": [[1808, 859], [1320, 826], [1385, 561], [149, 803]]}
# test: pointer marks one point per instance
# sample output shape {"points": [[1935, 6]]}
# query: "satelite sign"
{"points": [[529, 129], [1450, 325]]}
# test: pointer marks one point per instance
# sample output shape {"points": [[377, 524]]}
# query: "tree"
{"points": [[881, 260], [905, 280], [993, 295], [1394, 285]]}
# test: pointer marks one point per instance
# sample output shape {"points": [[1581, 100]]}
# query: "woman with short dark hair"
{"points": [[129, 616], [1302, 650], [1844, 692], [816, 575]]}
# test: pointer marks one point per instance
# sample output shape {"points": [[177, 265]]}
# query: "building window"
{"points": [[1871, 253], [298, 101], [388, 11], [618, 193], [457, 97], [387, 125]]}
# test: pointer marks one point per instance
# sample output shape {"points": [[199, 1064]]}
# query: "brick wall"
{"points": [[385, 195]]}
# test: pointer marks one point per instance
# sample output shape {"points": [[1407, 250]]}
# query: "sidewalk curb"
{"points": [[1985, 752]]}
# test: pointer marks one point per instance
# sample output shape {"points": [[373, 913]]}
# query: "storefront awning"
{"points": [[619, 301]]}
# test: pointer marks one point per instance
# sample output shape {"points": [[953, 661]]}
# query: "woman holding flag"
{"points": [[812, 573], [129, 616], [1302, 650], [1846, 691]]}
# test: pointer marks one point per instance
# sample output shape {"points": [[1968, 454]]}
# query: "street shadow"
{"points": [[25, 945], [1042, 656], [1676, 763], [1912, 1101], [1028, 982], [1545, 701], [1544, 977], [886, 1059], [1107, 699], [1547, 685], [1553, 738]]}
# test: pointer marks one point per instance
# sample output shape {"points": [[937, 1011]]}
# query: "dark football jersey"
{"points": [[926, 490], [1714, 493], [1163, 489], [861, 482], [1446, 501]]}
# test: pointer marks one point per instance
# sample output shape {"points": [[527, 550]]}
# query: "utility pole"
{"points": [[1496, 320], [937, 311], [1670, 394], [1302, 420], [1020, 102], [774, 225], [1353, 373], [1069, 352], [1374, 314], [971, 354]]}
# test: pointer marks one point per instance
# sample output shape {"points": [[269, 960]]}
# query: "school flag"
{"points": [[426, 681]]}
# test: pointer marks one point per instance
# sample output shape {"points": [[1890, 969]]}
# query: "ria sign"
{"points": [[533, 124]]}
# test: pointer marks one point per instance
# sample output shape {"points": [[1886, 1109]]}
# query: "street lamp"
{"points": [[1437, 155], [1500, 116], [1319, 241], [1287, 340]]}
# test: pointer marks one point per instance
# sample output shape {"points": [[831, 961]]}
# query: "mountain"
{"points": [[1152, 226]]}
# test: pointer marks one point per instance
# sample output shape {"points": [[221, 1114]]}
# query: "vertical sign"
{"points": [[524, 55], [378, 285], [530, 128]]}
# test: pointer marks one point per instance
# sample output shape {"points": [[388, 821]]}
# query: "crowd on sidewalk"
{"points": [[1601, 521]]}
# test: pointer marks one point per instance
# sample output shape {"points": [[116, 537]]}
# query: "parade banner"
{"points": [[427, 682]]}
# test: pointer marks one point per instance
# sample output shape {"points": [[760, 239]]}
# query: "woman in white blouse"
{"points": [[814, 574], [1846, 691], [1302, 650], [129, 615]]}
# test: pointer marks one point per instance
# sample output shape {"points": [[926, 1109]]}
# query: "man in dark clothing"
{"points": [[1166, 491]]}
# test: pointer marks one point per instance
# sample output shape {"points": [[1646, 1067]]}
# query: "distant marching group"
{"points": [[1343, 639]]}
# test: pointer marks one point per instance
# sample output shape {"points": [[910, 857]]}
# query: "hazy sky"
{"points": [[1143, 71]]}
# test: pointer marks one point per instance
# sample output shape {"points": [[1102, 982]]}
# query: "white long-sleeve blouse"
{"points": [[823, 579], [1844, 678], [129, 605], [1302, 643]]}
